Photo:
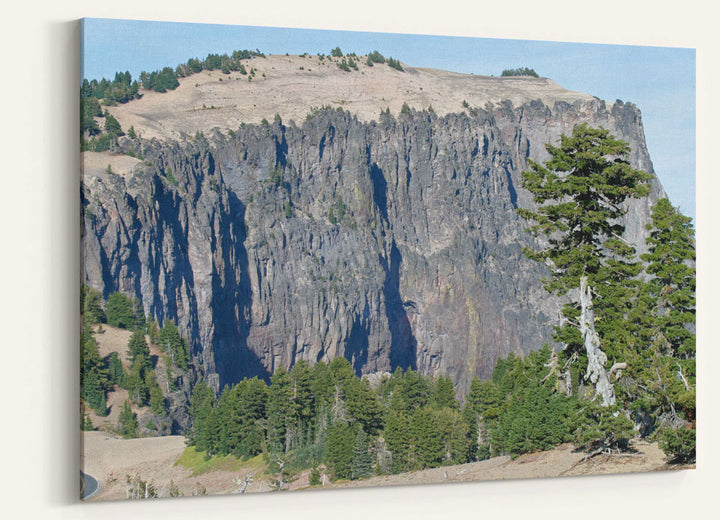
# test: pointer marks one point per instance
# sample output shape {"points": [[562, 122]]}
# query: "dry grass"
{"points": [[203, 101], [162, 459]]}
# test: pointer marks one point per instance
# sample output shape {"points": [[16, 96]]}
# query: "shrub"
{"points": [[678, 444], [522, 71], [395, 64]]}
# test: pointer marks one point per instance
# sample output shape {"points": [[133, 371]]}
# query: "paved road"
{"points": [[88, 486]]}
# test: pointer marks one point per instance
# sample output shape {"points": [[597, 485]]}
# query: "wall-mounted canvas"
{"points": [[322, 259]]}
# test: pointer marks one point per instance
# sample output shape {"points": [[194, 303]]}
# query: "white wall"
{"points": [[39, 210]]}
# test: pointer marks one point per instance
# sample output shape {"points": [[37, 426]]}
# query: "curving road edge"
{"points": [[89, 486]]}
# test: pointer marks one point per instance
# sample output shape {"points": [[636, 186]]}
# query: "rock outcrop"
{"points": [[391, 243]]}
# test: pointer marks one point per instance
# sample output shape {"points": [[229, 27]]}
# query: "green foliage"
{"points": [[112, 126], [156, 397], [362, 463], [444, 394], [339, 450], [94, 379], [580, 191], [405, 109], [91, 304], [169, 176], [120, 312], [86, 424], [275, 174], [138, 347], [671, 261], [174, 345], [603, 428], [202, 406], [395, 64], [288, 209], [127, 422], [375, 57], [679, 444], [89, 110], [336, 52], [522, 71], [281, 412], [116, 371], [314, 478]]}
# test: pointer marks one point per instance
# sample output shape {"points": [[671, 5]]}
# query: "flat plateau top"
{"points": [[292, 86]]}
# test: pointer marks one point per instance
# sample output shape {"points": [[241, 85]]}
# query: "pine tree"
{"points": [[426, 440], [202, 403], [444, 394], [339, 450], [116, 371], [137, 346], [580, 191], [94, 378], [362, 459], [362, 405], [174, 345], [120, 311], [127, 422], [671, 261], [91, 303], [281, 412]]}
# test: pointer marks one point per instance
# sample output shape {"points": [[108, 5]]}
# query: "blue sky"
{"points": [[659, 80]]}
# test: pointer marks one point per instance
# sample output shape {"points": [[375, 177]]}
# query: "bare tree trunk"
{"points": [[596, 372]]}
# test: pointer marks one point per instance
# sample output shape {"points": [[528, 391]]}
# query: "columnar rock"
{"points": [[392, 242]]}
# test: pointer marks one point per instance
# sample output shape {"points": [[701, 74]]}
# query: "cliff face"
{"points": [[391, 243]]}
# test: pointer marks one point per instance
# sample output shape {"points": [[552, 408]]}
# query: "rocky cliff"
{"points": [[393, 243]]}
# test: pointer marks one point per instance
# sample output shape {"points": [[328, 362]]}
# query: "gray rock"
{"points": [[422, 267]]}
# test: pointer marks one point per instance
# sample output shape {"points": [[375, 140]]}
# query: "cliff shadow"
{"points": [[232, 300], [357, 342], [379, 189], [403, 348]]}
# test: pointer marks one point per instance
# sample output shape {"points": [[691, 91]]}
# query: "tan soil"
{"points": [[153, 459], [111, 340], [212, 99], [96, 163]]}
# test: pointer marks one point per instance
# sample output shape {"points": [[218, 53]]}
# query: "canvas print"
{"points": [[322, 259]]}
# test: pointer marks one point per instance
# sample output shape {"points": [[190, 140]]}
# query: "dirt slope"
{"points": [[153, 459]]}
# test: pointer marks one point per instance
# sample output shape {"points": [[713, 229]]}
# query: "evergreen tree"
{"points": [[116, 371], [202, 403], [454, 434], [112, 126], [127, 422], [426, 440], [339, 450], [93, 375], [415, 390], [281, 411], [91, 304], [137, 347], [362, 405], [322, 385], [302, 383], [120, 311], [398, 439], [362, 459], [174, 345], [86, 424], [156, 399], [444, 394], [580, 190], [139, 312], [671, 261]]}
